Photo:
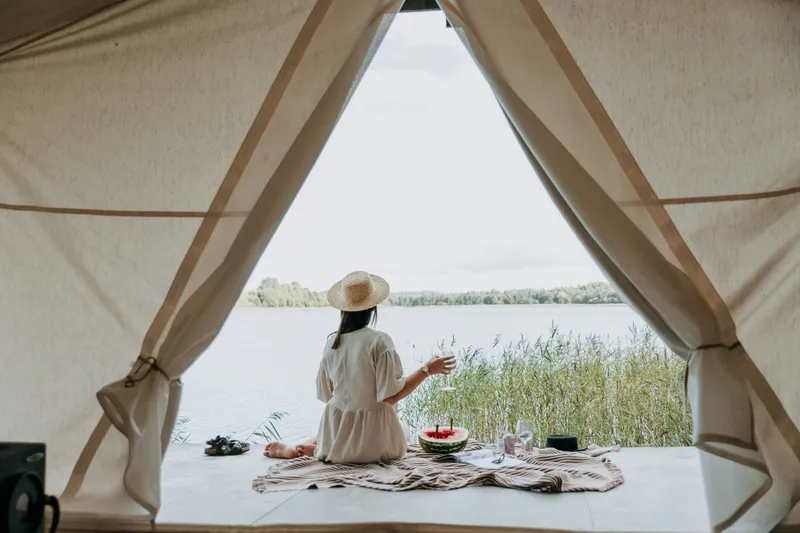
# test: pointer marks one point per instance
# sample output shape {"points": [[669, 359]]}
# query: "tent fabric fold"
{"points": [[155, 100], [22, 23], [149, 150], [587, 146]]}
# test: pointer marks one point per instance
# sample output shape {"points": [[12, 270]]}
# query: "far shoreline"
{"points": [[271, 293], [442, 306]]}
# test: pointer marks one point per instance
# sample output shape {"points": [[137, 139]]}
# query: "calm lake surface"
{"points": [[266, 360]]}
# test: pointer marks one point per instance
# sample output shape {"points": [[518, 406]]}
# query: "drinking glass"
{"points": [[447, 352], [524, 428]]}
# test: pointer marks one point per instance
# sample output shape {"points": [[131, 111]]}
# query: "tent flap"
{"points": [[641, 140], [177, 135]]}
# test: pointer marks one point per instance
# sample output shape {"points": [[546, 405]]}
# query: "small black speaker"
{"points": [[22, 496]]}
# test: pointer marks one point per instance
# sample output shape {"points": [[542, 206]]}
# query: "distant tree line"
{"points": [[592, 293], [272, 293]]}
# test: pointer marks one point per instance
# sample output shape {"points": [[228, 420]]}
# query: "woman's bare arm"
{"points": [[412, 382], [437, 365]]}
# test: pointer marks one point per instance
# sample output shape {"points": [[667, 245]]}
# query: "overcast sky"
{"points": [[423, 183]]}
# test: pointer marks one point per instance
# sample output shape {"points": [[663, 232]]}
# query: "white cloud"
{"points": [[423, 181]]}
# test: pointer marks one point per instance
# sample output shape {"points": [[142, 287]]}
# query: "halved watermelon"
{"points": [[446, 441]]}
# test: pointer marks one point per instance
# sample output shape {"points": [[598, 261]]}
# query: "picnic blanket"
{"points": [[545, 470]]}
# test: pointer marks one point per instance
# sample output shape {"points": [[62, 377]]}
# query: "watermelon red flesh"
{"points": [[439, 435], [448, 441]]}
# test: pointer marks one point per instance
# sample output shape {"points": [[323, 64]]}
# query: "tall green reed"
{"points": [[628, 393]]}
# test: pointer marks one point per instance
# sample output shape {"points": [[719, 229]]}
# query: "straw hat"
{"points": [[358, 291]]}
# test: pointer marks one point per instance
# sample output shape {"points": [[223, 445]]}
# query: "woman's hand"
{"points": [[442, 365]]}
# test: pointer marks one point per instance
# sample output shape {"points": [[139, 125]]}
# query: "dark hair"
{"points": [[353, 321]]}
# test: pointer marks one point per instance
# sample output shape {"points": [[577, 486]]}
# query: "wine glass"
{"points": [[447, 352], [524, 428]]}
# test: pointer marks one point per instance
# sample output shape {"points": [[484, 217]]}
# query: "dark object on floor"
{"points": [[564, 443], [226, 446], [22, 496]]}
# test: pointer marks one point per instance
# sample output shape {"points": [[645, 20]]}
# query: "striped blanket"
{"points": [[546, 470]]}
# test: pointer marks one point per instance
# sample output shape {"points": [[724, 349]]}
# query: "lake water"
{"points": [[266, 360]]}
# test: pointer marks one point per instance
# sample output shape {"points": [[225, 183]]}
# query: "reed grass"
{"points": [[628, 392]]}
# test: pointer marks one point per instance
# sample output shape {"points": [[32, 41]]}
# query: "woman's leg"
{"points": [[280, 450], [308, 448]]}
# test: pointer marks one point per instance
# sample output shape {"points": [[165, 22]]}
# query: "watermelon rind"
{"points": [[452, 446]]}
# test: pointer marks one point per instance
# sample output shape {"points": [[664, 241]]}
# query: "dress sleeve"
{"points": [[324, 384], [389, 378]]}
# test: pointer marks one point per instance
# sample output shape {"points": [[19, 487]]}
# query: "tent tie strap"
{"points": [[141, 362], [733, 346]]}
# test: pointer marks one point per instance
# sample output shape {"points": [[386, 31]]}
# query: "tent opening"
{"points": [[423, 183], [458, 224]]}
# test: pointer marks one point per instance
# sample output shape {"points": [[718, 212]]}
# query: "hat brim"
{"points": [[380, 290]]}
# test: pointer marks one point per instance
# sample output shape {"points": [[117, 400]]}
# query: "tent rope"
{"points": [[142, 361]]}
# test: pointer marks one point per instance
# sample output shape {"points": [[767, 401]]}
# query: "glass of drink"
{"points": [[447, 352], [525, 434], [524, 428]]}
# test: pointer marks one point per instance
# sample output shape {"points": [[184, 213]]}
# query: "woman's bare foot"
{"points": [[279, 450], [306, 450]]}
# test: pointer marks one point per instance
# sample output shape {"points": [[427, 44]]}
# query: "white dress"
{"points": [[353, 380]]}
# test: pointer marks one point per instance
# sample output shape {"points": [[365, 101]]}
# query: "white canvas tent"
{"points": [[150, 148]]}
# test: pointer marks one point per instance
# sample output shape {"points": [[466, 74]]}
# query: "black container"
{"points": [[22, 496], [564, 443]]}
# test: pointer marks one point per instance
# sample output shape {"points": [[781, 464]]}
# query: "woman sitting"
{"points": [[361, 380]]}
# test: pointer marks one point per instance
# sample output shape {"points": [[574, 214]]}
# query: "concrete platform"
{"points": [[663, 492]]}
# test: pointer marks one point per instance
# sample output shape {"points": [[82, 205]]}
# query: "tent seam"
{"points": [[684, 200], [129, 213]]}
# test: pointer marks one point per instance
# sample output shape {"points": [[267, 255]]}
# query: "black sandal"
{"points": [[226, 446], [215, 440]]}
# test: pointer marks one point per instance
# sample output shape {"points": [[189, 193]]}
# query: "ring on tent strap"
{"points": [[151, 363]]}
